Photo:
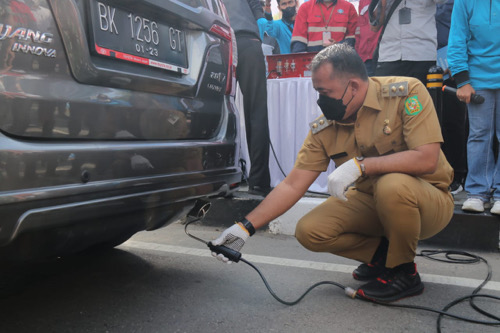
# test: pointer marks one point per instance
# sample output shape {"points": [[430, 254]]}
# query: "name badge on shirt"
{"points": [[405, 15], [326, 38]]}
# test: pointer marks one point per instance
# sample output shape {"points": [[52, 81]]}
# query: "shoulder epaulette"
{"points": [[319, 124], [395, 89]]}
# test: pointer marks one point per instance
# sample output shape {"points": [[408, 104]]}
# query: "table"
{"points": [[291, 106]]}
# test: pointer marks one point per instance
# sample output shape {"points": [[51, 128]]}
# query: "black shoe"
{"points": [[392, 286], [367, 272], [259, 190], [456, 187]]}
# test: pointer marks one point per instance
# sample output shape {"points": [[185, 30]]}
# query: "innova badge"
{"points": [[26, 37]]}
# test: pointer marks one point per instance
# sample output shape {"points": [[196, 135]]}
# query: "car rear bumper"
{"points": [[43, 208]]}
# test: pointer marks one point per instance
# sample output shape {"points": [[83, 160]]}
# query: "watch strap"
{"points": [[362, 167], [249, 226], [359, 161]]}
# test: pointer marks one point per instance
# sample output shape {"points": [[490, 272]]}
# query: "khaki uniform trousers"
{"points": [[402, 208]]}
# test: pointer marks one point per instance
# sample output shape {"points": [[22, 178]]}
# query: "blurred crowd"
{"points": [[397, 38]]}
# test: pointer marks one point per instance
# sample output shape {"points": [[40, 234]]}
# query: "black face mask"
{"points": [[288, 13], [332, 108]]}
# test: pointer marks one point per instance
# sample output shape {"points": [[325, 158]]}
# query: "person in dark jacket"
{"points": [[455, 126], [251, 76]]}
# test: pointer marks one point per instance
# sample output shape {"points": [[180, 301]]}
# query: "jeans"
{"points": [[370, 68], [483, 177]]}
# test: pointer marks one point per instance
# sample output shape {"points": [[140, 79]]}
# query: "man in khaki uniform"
{"points": [[390, 185]]}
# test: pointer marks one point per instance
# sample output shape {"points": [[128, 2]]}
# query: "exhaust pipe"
{"points": [[200, 209]]}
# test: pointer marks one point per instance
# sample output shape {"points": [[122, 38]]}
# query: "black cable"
{"points": [[284, 174], [470, 258], [298, 299], [442, 312], [276, 158], [451, 256], [319, 193]]}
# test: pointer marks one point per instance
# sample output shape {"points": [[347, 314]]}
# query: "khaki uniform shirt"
{"points": [[384, 125]]}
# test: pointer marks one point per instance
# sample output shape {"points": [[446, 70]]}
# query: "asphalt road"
{"points": [[164, 281]]}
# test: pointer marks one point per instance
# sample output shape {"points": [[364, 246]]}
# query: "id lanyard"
{"points": [[327, 36], [404, 14], [323, 14]]}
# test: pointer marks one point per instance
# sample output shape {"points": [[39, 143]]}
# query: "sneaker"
{"points": [[473, 205], [367, 272], [456, 187], [393, 285], [496, 208]]}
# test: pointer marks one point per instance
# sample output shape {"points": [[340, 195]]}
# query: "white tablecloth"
{"points": [[291, 106]]}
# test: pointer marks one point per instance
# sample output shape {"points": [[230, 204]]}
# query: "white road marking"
{"points": [[321, 266]]}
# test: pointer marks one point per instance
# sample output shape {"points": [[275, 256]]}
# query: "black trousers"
{"points": [[455, 129], [417, 69], [251, 76]]}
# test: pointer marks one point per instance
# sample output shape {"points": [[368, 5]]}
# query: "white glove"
{"points": [[234, 238], [342, 177]]}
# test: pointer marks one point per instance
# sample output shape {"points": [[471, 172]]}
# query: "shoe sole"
{"points": [[472, 210], [486, 205], [417, 290]]}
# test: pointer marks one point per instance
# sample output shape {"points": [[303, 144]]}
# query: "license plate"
{"points": [[132, 36]]}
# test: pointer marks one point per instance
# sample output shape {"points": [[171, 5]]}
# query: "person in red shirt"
{"points": [[320, 23], [366, 38]]}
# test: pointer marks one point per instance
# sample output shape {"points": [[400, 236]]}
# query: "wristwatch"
{"points": [[361, 165], [248, 225]]}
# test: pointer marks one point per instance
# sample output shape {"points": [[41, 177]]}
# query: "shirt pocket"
{"points": [[339, 158], [315, 20], [337, 17], [388, 146]]}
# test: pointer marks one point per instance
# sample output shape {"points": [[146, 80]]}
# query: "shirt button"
{"points": [[362, 147], [393, 142]]}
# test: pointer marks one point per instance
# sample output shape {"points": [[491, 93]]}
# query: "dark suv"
{"points": [[115, 117]]}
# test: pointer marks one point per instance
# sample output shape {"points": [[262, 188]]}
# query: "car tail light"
{"points": [[228, 34]]}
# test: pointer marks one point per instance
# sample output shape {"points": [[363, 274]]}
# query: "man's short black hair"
{"points": [[279, 1], [344, 59]]}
